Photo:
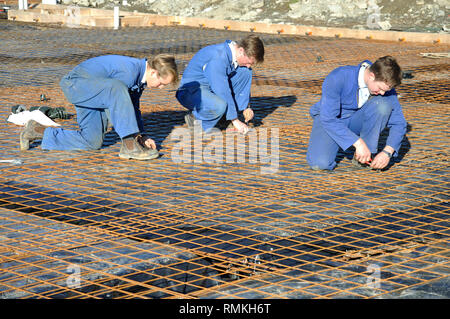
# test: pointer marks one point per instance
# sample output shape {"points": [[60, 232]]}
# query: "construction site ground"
{"points": [[89, 224]]}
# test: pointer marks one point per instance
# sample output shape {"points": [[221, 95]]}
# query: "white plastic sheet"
{"points": [[23, 117]]}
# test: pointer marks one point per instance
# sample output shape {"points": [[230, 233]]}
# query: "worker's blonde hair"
{"points": [[165, 65]]}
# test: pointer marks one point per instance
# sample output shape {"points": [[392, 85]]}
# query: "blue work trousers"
{"points": [[368, 122], [208, 106], [96, 101]]}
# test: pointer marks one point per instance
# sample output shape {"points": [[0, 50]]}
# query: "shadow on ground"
{"points": [[159, 125]]}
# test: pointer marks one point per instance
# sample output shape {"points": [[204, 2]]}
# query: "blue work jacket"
{"points": [[213, 66], [130, 71], [339, 102]]}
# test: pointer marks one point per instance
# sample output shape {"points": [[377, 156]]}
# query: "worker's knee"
{"points": [[321, 163], [220, 107], [319, 166], [382, 107], [213, 106], [93, 142]]}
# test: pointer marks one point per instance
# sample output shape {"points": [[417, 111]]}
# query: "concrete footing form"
{"points": [[91, 225], [91, 17]]}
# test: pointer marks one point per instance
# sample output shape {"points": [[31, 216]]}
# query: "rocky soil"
{"points": [[404, 15]]}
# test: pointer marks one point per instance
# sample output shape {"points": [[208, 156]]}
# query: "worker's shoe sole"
{"points": [[132, 149], [189, 119], [30, 133], [148, 155], [24, 142]]}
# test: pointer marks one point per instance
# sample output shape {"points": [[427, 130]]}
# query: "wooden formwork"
{"points": [[91, 17]]}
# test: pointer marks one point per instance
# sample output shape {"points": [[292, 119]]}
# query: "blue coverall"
{"points": [[104, 88], [338, 123], [212, 86]]}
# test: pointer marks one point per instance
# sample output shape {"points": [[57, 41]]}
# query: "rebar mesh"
{"points": [[91, 225]]}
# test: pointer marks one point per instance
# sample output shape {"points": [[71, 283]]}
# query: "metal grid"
{"points": [[90, 225]]}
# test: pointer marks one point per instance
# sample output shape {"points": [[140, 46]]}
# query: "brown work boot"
{"points": [[32, 131], [132, 149]]}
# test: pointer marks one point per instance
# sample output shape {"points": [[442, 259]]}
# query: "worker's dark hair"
{"points": [[165, 65], [387, 70], [253, 47]]}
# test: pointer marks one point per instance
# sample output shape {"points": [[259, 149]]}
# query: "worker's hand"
{"points": [[248, 114], [147, 142], [382, 159], [362, 152], [239, 126], [150, 143]]}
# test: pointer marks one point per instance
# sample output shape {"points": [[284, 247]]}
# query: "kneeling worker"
{"points": [[217, 81], [107, 88], [357, 104]]}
